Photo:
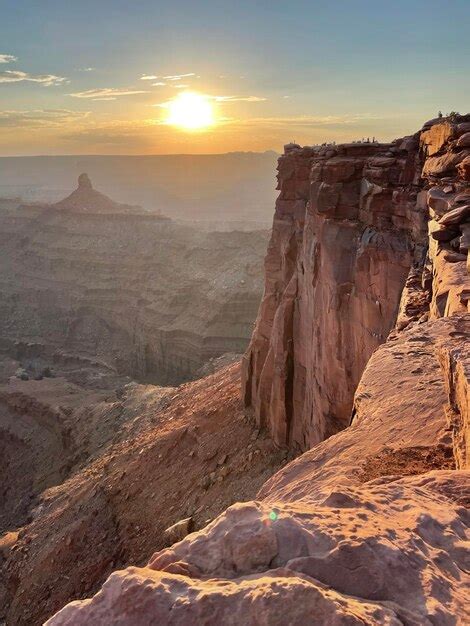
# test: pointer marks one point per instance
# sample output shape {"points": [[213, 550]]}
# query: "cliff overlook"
{"points": [[360, 356]]}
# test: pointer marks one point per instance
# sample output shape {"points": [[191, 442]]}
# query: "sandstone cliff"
{"points": [[369, 525], [152, 299], [350, 229]]}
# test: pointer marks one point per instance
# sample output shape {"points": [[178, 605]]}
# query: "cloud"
{"points": [[239, 99], [7, 58], [40, 118], [164, 105], [308, 121], [171, 78], [86, 69], [16, 76], [178, 76], [106, 93], [153, 77]]}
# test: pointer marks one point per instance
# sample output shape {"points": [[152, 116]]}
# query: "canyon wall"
{"points": [[152, 299], [350, 229]]}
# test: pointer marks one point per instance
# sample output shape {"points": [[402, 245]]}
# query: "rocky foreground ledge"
{"points": [[370, 525]]}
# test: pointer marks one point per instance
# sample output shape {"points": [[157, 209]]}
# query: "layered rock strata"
{"points": [[152, 299], [349, 232], [369, 526]]}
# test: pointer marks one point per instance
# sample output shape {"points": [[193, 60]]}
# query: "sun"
{"points": [[191, 111]]}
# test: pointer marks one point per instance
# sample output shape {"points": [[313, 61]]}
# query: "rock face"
{"points": [[152, 299], [370, 525], [349, 231]]}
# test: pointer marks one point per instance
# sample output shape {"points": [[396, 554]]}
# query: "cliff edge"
{"points": [[350, 231]]}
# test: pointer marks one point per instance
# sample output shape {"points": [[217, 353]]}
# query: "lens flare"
{"points": [[191, 111]]}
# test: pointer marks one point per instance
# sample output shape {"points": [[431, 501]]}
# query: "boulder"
{"points": [[289, 147], [435, 120], [464, 141], [462, 198], [440, 232], [436, 137], [456, 216], [438, 200], [442, 165], [464, 169], [178, 531], [465, 238], [463, 128]]}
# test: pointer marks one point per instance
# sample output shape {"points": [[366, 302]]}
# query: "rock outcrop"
{"points": [[87, 200], [370, 525], [153, 299], [349, 231]]}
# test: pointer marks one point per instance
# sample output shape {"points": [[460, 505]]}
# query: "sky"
{"points": [[99, 76]]}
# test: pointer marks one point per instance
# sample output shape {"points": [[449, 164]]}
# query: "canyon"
{"points": [[150, 298], [99, 302], [340, 443]]}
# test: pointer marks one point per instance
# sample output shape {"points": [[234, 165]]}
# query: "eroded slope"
{"points": [[186, 452]]}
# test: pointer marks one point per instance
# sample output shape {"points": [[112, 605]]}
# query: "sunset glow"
{"points": [[191, 111], [213, 77]]}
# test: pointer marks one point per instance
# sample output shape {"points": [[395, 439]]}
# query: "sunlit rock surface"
{"points": [[349, 232]]}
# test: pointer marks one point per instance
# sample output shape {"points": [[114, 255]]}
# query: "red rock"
{"points": [[462, 197], [442, 165], [463, 128], [456, 216], [179, 530], [436, 137], [464, 169], [438, 200], [318, 306], [464, 141], [369, 523], [440, 232], [148, 597], [362, 519]]}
